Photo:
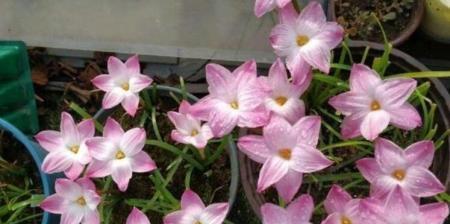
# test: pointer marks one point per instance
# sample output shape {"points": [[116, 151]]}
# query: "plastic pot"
{"points": [[436, 23], [250, 169], [38, 155], [102, 114], [416, 18]]}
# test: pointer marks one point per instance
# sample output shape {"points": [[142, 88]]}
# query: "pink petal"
{"points": [[69, 130], [112, 129], [363, 79], [405, 117], [351, 125], [175, 217], [104, 82], [113, 98], [219, 79], [279, 134], [382, 186], [331, 34], [74, 171], [179, 120], [203, 107], [133, 141], [246, 73], [116, 67], [139, 82], [301, 209], [215, 213], [318, 57], [306, 159], [336, 199], [86, 183], [185, 107], [263, 6], [98, 169], [121, 174], [369, 168], [201, 140], [68, 189], [334, 218], [72, 216], [282, 39], [131, 103], [271, 172], [254, 147], [351, 102], [374, 123], [388, 155], [132, 64], [420, 182], [253, 119], [289, 185], [191, 200], [312, 14], [300, 69], [434, 213], [400, 207], [395, 92], [308, 130], [287, 14], [92, 217], [50, 140], [272, 214], [142, 162], [137, 217], [86, 129], [181, 138], [222, 122], [301, 81], [292, 110], [101, 148], [54, 204], [282, 3], [56, 161], [420, 153], [278, 75]]}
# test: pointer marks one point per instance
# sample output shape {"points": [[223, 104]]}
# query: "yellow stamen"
{"points": [[399, 174], [302, 40], [197, 222], [120, 154], [345, 220], [74, 148], [281, 100], [285, 154], [375, 105], [125, 86], [81, 201], [194, 132], [234, 105]]}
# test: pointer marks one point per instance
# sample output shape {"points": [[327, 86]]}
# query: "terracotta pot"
{"points": [[250, 170], [416, 18]]}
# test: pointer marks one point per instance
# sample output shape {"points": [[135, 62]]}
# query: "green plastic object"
{"points": [[17, 103]]}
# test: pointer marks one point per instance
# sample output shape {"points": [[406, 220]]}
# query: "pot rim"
{"points": [[412, 26]]}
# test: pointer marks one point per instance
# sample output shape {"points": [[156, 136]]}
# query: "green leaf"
{"points": [[427, 74]]}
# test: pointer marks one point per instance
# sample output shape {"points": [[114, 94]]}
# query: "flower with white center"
{"points": [[298, 211], [123, 84], [76, 201], [119, 154], [67, 149], [264, 6]]}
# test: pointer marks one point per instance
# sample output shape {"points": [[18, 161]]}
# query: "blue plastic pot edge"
{"points": [[38, 155]]}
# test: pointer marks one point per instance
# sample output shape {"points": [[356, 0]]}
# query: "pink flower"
{"points": [[67, 149], [75, 201], [194, 211], [401, 208], [188, 128], [119, 154], [299, 211], [306, 40], [284, 98], [342, 209], [264, 6], [235, 99], [408, 169], [372, 103], [122, 84], [137, 217], [286, 152]]}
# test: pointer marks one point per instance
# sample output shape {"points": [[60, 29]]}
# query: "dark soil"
{"points": [[355, 16], [17, 171]]}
